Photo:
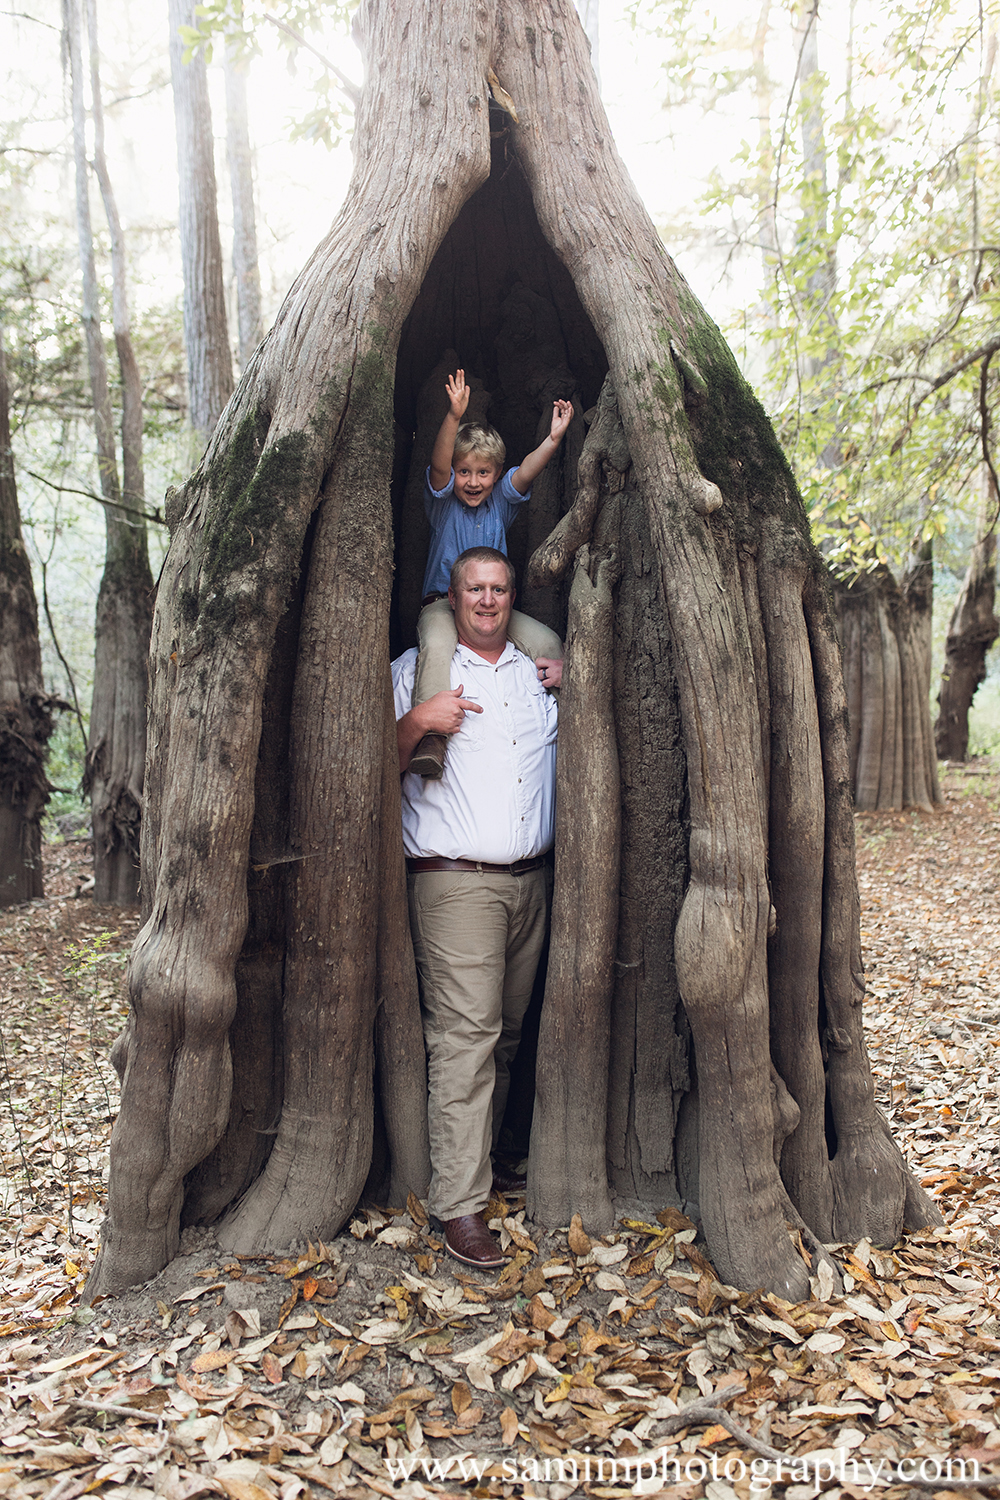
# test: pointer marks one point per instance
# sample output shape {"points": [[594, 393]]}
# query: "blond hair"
{"points": [[484, 442]]}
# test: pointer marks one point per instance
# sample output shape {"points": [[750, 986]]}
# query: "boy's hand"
{"points": [[562, 416], [458, 394]]}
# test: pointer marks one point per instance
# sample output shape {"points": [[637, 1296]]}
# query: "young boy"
{"points": [[469, 505]]}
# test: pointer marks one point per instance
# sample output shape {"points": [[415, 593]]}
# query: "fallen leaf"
{"points": [[416, 1210], [578, 1241], [243, 1489], [213, 1361]]}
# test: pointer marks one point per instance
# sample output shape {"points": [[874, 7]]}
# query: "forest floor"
{"points": [[611, 1367]]}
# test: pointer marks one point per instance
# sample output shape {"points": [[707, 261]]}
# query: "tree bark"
{"points": [[885, 636], [691, 684], [567, 1173], [240, 158], [972, 629], [25, 707], [117, 739], [206, 334]]}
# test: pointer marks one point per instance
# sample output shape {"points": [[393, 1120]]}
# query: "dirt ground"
{"points": [[374, 1365]]}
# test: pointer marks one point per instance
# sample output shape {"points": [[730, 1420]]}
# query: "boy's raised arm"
{"points": [[444, 443], [529, 468]]}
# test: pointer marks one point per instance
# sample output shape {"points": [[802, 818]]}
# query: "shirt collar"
{"points": [[470, 658], [472, 510]]}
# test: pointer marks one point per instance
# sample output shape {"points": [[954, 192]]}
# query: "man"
{"points": [[478, 882]]}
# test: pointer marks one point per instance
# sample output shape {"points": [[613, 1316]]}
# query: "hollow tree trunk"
{"points": [[25, 707], [972, 629], [206, 334], [885, 635], [270, 812], [116, 743]]}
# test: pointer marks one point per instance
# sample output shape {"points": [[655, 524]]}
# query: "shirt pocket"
{"points": [[472, 734], [542, 705]]}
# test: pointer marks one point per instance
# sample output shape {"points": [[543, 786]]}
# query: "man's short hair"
{"points": [[483, 441], [479, 554]]}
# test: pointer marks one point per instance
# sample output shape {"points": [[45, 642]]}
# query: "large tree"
{"points": [[702, 1019], [972, 629], [25, 707], [206, 331], [116, 744]]}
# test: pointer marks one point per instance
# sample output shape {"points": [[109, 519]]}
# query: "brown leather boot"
{"points": [[507, 1181], [427, 759], [468, 1240]]}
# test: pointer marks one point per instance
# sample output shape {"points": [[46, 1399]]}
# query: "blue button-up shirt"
{"points": [[455, 526]]}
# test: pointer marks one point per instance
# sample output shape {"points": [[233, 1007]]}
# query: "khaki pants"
{"points": [[437, 638], [477, 940]]}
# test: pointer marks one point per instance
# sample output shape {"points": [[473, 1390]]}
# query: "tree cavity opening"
{"points": [[499, 303]]}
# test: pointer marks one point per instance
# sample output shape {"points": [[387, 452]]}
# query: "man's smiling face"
{"points": [[475, 477], [482, 604]]}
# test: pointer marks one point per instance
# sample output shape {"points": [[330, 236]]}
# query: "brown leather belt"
{"points": [[476, 866], [431, 599]]}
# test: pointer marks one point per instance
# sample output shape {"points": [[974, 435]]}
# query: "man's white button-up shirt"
{"points": [[496, 799]]}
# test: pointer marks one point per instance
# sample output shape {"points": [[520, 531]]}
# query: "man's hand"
{"points": [[458, 394], [562, 416], [442, 714], [550, 670]]}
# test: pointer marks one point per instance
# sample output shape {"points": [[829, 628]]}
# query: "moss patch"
{"points": [[250, 494], [731, 432]]}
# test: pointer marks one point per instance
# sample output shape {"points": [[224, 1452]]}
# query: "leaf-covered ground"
{"points": [[373, 1365]]}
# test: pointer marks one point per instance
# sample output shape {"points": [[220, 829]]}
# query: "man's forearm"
{"points": [[410, 730]]}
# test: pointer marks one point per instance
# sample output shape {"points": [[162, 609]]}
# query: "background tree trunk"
{"points": [[25, 707], [240, 158], [885, 635], [117, 740], [206, 335], [270, 810], [972, 629]]}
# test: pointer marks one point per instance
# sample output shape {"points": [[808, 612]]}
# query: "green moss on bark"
{"points": [[732, 435]]}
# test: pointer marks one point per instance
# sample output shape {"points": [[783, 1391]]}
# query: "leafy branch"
{"points": [[984, 352]]}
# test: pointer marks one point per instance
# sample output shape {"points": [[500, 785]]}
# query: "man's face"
{"points": [[482, 605], [475, 477]]}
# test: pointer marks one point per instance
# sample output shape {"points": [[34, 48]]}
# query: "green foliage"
{"points": [[984, 719], [64, 768], [89, 956], [43, 335], [299, 24], [877, 277]]}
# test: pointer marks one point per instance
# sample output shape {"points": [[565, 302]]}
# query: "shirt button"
{"points": [[519, 781]]}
